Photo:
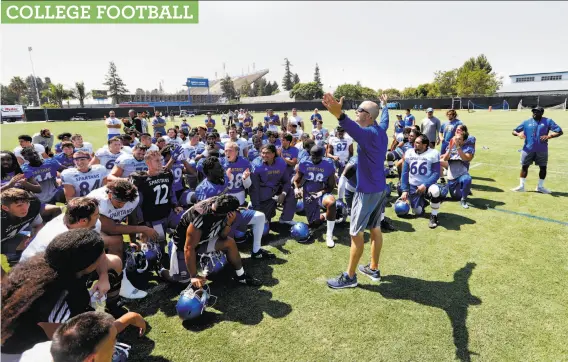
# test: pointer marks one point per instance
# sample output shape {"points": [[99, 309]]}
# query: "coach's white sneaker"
{"points": [[519, 189], [128, 291], [329, 241], [543, 190]]}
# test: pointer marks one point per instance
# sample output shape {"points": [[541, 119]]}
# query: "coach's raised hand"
{"points": [[334, 107]]}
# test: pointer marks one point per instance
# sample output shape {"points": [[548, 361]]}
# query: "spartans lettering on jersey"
{"points": [[315, 169], [158, 181], [274, 172], [79, 177]]}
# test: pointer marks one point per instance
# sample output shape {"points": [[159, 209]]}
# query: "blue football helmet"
{"points": [[401, 208], [341, 214], [135, 261], [192, 303], [213, 262], [300, 207], [300, 231]]}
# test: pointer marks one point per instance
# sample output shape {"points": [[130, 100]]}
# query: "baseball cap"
{"points": [[399, 115], [430, 110], [538, 109], [202, 127]]}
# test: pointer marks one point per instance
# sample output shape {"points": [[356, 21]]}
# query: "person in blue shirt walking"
{"points": [[372, 142], [536, 132]]}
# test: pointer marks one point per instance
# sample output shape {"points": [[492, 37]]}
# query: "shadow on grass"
{"points": [[141, 346], [453, 221], [453, 297], [483, 204], [486, 188], [482, 178], [559, 194]]}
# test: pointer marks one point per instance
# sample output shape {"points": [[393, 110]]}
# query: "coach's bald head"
{"points": [[367, 113]]}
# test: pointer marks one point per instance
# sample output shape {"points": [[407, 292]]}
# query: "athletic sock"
{"points": [[523, 182], [540, 183], [240, 272], [382, 216], [330, 226]]}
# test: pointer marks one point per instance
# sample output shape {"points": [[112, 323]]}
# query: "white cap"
{"points": [[430, 110]]}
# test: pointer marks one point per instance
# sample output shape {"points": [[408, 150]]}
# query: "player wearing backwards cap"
{"points": [[536, 132], [203, 229], [340, 149], [420, 172], [430, 127], [83, 178], [314, 182], [372, 143], [456, 160]]}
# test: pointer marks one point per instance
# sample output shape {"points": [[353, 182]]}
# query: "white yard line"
{"points": [[514, 167]]}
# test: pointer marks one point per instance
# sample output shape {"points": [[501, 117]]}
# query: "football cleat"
{"points": [[518, 189], [543, 190], [433, 222]]}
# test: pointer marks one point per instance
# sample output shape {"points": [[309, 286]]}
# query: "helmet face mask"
{"points": [[192, 303], [212, 263]]}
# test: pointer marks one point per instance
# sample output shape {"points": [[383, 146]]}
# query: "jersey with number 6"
{"points": [[420, 165], [237, 169], [156, 194], [316, 175], [84, 182], [341, 147], [107, 158]]}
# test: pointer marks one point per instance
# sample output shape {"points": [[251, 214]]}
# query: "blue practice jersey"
{"points": [[316, 175], [408, 120], [46, 176], [449, 129], [65, 161], [267, 180], [237, 169], [207, 189], [177, 170], [533, 130]]}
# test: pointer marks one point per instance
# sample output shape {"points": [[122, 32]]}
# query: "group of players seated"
{"points": [[183, 196]]}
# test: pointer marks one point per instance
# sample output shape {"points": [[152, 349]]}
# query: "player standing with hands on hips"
{"points": [[372, 142]]}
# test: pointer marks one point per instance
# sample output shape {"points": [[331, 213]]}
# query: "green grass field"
{"points": [[488, 284]]}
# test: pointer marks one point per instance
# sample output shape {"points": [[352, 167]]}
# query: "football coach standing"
{"points": [[372, 142]]}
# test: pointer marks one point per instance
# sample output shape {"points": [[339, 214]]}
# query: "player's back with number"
{"points": [[46, 176], [156, 194], [316, 175]]}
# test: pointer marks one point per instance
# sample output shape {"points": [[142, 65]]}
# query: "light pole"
{"points": [[35, 83]]}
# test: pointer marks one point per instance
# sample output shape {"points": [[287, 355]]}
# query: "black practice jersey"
{"points": [[156, 194], [203, 219]]}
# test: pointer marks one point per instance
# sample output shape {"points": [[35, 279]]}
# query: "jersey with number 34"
{"points": [[84, 182], [420, 165]]}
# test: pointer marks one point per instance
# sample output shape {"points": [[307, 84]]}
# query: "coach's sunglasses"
{"points": [[361, 110]]}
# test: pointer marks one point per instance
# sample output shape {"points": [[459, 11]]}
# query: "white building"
{"points": [[535, 84]]}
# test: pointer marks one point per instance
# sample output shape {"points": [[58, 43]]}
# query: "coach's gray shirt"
{"points": [[431, 128]]}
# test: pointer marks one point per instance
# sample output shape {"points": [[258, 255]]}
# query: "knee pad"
{"points": [[435, 193]]}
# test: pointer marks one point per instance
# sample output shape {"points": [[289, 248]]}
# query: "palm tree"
{"points": [[57, 94], [80, 93], [19, 87]]}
